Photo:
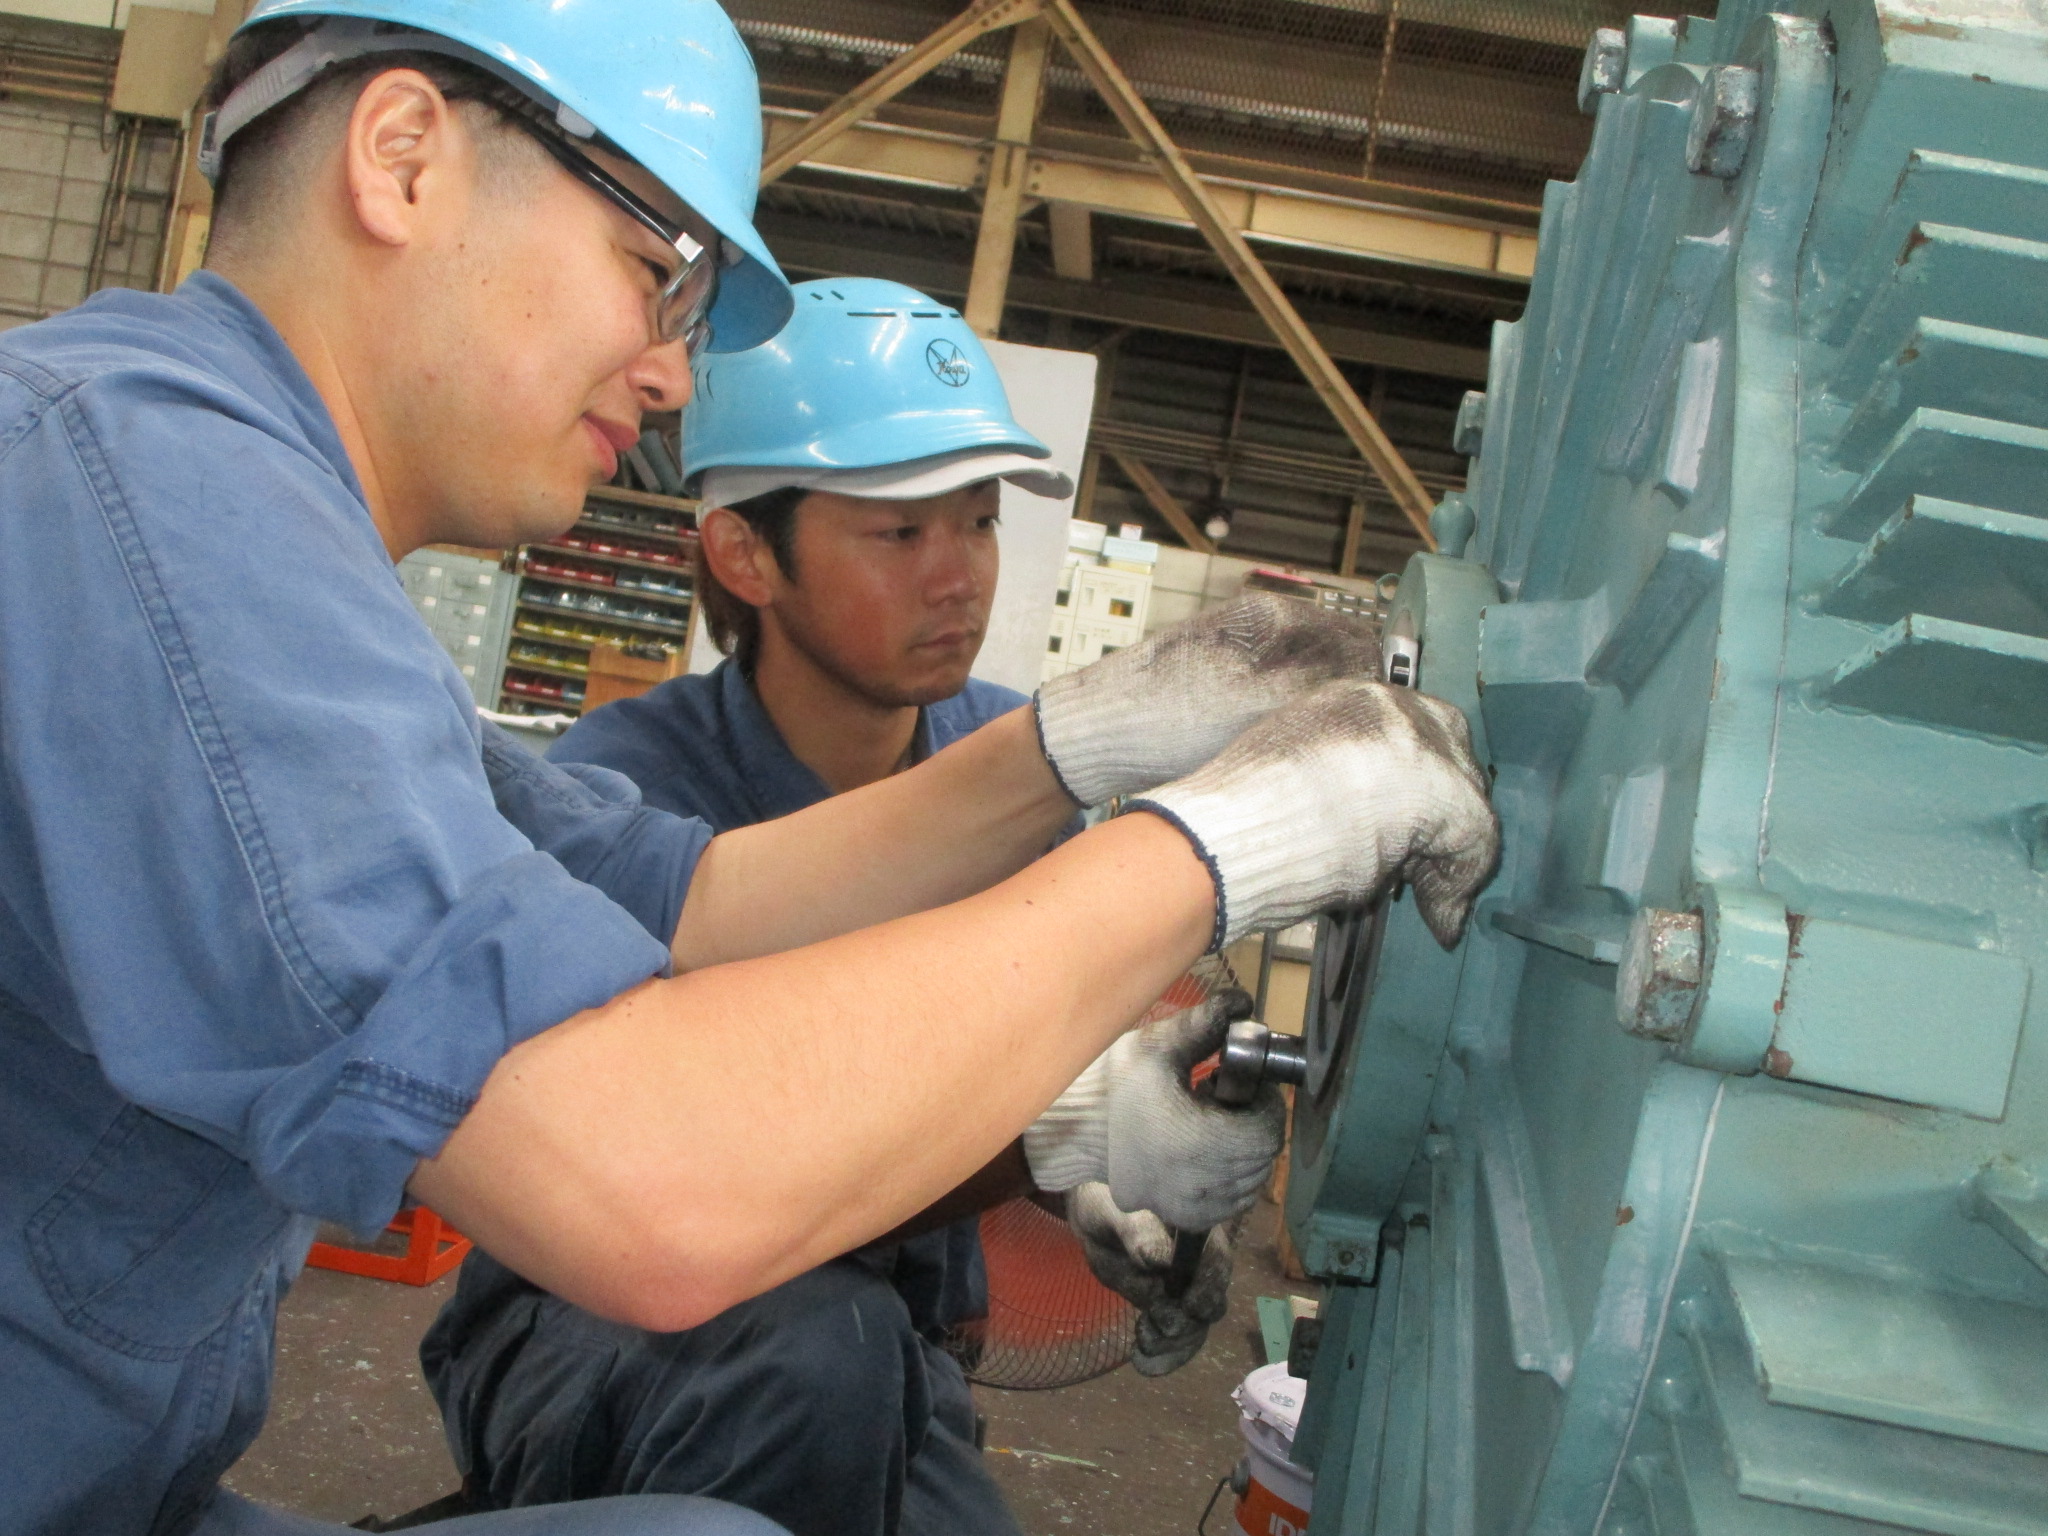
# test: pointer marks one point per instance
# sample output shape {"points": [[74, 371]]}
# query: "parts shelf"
{"points": [[660, 536]]}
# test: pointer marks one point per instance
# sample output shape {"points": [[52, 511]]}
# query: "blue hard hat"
{"points": [[667, 81], [867, 374]]}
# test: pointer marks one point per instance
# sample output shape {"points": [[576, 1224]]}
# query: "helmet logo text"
{"points": [[948, 363]]}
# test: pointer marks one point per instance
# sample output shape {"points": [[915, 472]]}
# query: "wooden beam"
{"points": [[1164, 306], [1108, 350], [1163, 501], [1354, 526], [1073, 241], [977, 20], [1243, 265], [1002, 196], [1108, 353], [1314, 217], [1084, 493]]}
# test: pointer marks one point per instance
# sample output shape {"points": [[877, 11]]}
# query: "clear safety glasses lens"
{"points": [[682, 309]]}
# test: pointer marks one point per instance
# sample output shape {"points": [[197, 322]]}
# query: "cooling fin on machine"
{"points": [[1699, 1193]]}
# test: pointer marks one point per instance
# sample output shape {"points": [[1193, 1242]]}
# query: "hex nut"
{"points": [[1659, 982], [1469, 432], [1605, 67], [1723, 120]]}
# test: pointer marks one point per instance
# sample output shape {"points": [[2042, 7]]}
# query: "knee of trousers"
{"points": [[654, 1514], [826, 1366], [671, 1515]]}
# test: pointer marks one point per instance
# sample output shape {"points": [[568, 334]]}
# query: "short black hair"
{"points": [[248, 182], [734, 626]]}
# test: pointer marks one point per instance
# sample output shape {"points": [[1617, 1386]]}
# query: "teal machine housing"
{"points": [[1704, 1189]]}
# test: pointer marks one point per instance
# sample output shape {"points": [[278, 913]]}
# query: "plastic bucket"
{"points": [[1276, 1494]]}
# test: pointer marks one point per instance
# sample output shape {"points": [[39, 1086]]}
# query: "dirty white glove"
{"points": [[1327, 802], [1131, 1120], [1160, 709], [1131, 1252]]}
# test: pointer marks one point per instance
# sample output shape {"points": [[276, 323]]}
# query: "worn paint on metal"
{"points": [[1702, 1189]]}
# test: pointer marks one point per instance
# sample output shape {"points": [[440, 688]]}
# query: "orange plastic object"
{"points": [[432, 1249]]}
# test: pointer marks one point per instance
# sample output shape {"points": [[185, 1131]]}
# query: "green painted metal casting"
{"points": [[1747, 602]]}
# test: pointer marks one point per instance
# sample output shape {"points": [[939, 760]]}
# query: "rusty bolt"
{"points": [[1605, 68], [1723, 117], [1660, 974]]}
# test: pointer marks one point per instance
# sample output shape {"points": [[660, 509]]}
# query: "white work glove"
{"points": [[1160, 709], [1327, 802], [1130, 1120], [1131, 1252]]}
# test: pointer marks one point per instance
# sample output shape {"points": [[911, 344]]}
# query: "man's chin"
{"points": [[910, 688], [527, 518], [934, 687]]}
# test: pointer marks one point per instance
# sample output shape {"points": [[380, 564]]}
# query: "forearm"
{"points": [[705, 1138], [955, 825]]}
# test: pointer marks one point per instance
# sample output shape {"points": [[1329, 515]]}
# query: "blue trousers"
{"points": [[818, 1404], [232, 1515]]}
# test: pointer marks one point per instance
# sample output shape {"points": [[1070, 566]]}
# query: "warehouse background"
{"points": [[1387, 161], [1393, 152]]}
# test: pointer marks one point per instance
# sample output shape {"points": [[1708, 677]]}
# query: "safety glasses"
{"points": [[682, 307]]}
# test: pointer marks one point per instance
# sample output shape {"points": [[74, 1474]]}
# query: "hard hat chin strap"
{"points": [[336, 41]]}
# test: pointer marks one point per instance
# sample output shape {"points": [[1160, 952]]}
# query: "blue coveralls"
{"points": [[826, 1403], [264, 930]]}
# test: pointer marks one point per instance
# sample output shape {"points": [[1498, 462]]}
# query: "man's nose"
{"points": [[660, 377], [952, 572]]}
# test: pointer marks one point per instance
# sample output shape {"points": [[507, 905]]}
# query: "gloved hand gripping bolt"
{"points": [[1252, 1056]]}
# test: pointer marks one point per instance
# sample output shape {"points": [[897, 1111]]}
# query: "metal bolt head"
{"points": [[1470, 429], [1660, 974], [1606, 66], [1723, 120]]}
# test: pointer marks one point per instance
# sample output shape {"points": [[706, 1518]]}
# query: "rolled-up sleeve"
{"points": [[593, 822], [255, 865]]}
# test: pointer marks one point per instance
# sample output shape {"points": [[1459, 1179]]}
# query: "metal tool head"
{"points": [[1253, 1056]]}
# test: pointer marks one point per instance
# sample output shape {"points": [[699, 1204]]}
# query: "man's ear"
{"points": [[404, 142], [739, 557]]}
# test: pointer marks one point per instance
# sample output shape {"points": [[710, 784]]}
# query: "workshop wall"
{"points": [[56, 175], [96, 13], [82, 193]]}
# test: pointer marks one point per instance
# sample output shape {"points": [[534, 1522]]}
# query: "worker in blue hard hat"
{"points": [[849, 473], [288, 935]]}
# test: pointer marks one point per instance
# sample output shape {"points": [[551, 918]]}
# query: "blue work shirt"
{"points": [[265, 925], [704, 747]]}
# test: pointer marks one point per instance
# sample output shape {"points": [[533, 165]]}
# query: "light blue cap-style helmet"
{"points": [[872, 389], [668, 82]]}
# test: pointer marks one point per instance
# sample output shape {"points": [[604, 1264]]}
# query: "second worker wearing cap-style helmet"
{"points": [[872, 389]]}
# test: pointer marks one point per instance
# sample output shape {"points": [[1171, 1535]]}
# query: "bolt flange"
{"points": [[1605, 68], [1723, 120], [1660, 974]]}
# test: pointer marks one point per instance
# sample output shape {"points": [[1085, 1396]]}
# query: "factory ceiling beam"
{"points": [[906, 70], [1073, 241], [1157, 308], [1354, 527], [1244, 265], [1002, 196], [1292, 216], [1162, 501]]}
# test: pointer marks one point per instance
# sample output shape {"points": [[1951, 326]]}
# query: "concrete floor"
{"points": [[352, 1431]]}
